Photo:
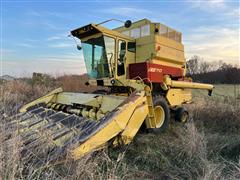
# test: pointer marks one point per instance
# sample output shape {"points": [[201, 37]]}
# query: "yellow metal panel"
{"points": [[130, 58], [145, 48], [134, 123], [98, 140], [178, 96], [109, 103], [151, 119], [120, 120], [169, 51], [166, 62], [161, 40], [79, 98]]}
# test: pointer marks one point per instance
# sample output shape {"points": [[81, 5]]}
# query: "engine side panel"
{"points": [[151, 72]]}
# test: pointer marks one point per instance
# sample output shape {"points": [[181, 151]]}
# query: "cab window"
{"points": [[121, 57], [132, 47]]}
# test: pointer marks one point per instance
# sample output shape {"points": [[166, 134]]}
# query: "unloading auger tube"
{"points": [[63, 131]]}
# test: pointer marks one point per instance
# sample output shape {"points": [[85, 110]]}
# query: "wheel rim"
{"points": [[184, 117], [159, 116]]}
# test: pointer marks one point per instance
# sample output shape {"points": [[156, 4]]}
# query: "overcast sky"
{"points": [[34, 33]]}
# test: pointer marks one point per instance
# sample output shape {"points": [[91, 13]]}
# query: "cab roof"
{"points": [[92, 29]]}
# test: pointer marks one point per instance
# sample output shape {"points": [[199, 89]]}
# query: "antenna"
{"points": [[127, 23]]}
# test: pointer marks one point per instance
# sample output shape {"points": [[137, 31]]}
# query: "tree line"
{"points": [[212, 72]]}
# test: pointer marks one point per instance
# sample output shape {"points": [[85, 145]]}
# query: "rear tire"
{"points": [[161, 107], [181, 115]]}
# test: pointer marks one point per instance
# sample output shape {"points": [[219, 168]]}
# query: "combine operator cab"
{"points": [[106, 54]]}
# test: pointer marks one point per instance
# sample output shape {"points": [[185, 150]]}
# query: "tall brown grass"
{"points": [[207, 147], [76, 83]]}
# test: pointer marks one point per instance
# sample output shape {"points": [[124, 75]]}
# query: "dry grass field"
{"points": [[207, 147]]}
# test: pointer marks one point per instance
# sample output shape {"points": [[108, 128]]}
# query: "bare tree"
{"points": [[193, 65], [225, 66], [204, 67]]}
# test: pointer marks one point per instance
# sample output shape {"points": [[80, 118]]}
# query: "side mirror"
{"points": [[127, 24], [79, 47]]}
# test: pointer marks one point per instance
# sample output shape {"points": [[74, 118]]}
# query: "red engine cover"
{"points": [[153, 72]]}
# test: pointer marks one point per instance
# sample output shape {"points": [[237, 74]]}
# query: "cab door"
{"points": [[121, 57]]}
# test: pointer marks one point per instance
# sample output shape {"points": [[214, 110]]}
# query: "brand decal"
{"points": [[156, 70]]}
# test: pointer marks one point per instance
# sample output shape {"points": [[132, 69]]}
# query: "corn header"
{"points": [[143, 66]]}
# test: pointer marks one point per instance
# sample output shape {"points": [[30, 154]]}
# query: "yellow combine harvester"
{"points": [[143, 66]]}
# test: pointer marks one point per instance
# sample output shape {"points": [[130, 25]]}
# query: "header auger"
{"points": [[144, 67]]}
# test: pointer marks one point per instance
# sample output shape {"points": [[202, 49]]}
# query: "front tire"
{"points": [[162, 114]]}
